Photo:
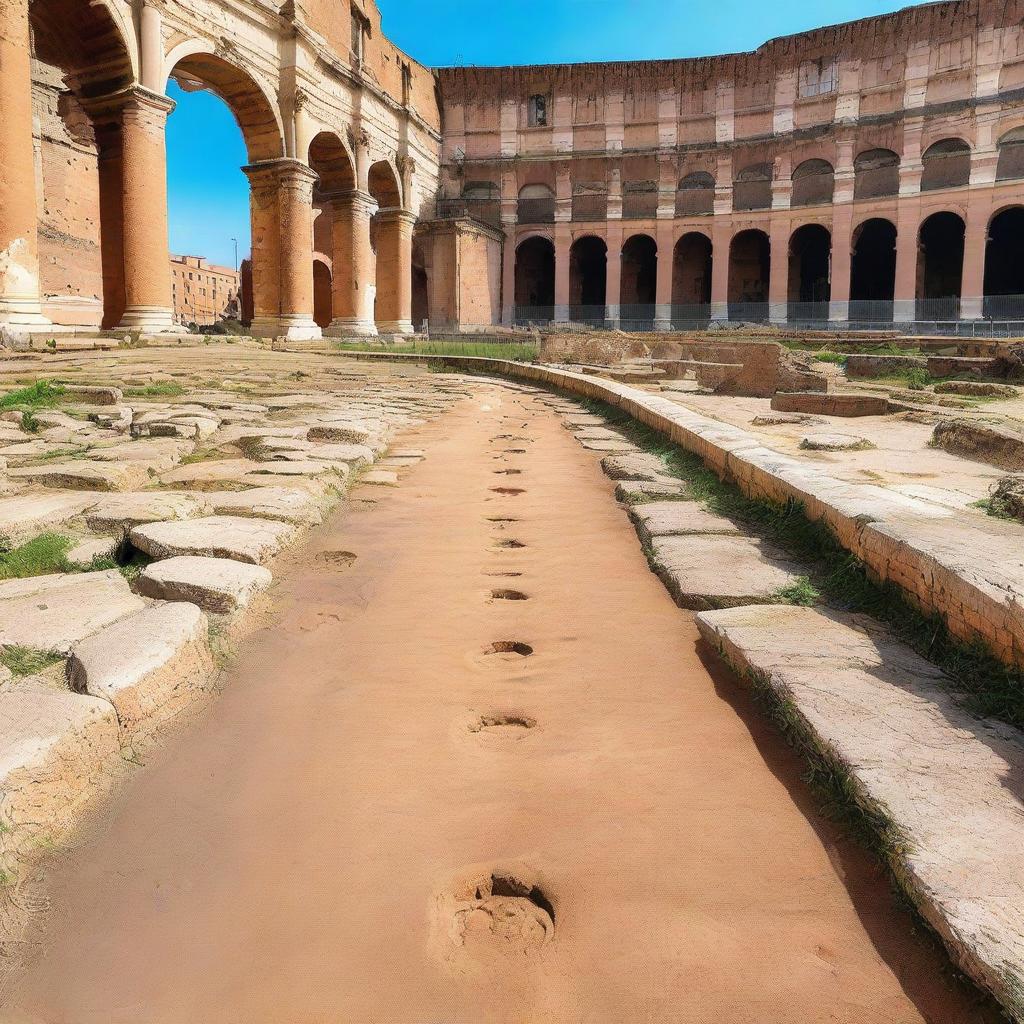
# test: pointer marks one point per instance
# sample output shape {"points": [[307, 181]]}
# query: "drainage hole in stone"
{"points": [[509, 595], [509, 490], [510, 647]]}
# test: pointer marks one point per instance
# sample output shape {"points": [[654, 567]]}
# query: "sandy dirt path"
{"points": [[379, 822]]}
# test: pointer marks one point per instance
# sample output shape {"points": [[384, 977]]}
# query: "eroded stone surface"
{"points": [[678, 518], [942, 776], [120, 512], [220, 585], [285, 504], [244, 539]]}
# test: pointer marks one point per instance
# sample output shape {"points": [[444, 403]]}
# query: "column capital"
{"points": [[396, 215], [349, 198], [281, 169], [144, 105]]}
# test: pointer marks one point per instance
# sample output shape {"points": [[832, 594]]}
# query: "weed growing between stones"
{"points": [[40, 556], [803, 592], [163, 389], [43, 394], [30, 424], [979, 680], [27, 661]]}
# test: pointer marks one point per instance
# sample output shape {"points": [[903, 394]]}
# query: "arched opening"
{"points": [[420, 287], [79, 54], [1004, 265], [752, 188], [810, 273], [536, 205], [387, 236], [749, 269], [947, 164], [696, 195], [322, 305], [588, 279], [691, 277], [535, 279], [638, 281], [1010, 164], [876, 174], [211, 202], [873, 270], [940, 267], [813, 183]]}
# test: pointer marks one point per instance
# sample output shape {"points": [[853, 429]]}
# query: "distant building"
{"points": [[203, 292]]}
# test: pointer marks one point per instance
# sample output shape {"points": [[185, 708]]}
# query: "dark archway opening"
{"points": [[810, 273], [691, 278], [940, 267], [1004, 265], [535, 279], [873, 270], [322, 301], [639, 281], [749, 269], [420, 288], [588, 279]]}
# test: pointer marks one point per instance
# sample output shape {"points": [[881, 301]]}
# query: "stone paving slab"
{"points": [[641, 490], [285, 504], [244, 539], [635, 466], [705, 572], [148, 665], [678, 518], [950, 783], [24, 516], [84, 474], [52, 613], [120, 512], [220, 585]]}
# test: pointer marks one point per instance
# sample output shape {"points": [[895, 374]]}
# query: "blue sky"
{"points": [[208, 194]]}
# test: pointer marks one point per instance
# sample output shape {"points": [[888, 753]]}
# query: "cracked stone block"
{"points": [[703, 572], [83, 474], [947, 779], [640, 490], [85, 552], [120, 512], [677, 518], [24, 516], [244, 539], [380, 477], [285, 504], [635, 466], [52, 613], [148, 665], [219, 585]]}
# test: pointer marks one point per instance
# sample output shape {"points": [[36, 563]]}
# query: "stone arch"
{"points": [[195, 68], [330, 158], [588, 278], [873, 269], [639, 274], [810, 257], [876, 174], [691, 271], [535, 278], [752, 187], [940, 265], [385, 185], [1004, 263], [323, 305], [749, 270], [695, 195], [947, 164], [813, 183], [1010, 164], [536, 204]]}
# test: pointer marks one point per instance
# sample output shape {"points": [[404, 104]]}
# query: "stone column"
{"points": [[663, 288], [842, 255], [394, 271], [147, 274], [352, 260], [972, 288], [721, 240], [563, 243], [778, 273], [905, 298], [19, 249], [282, 249], [613, 281], [508, 276], [110, 163], [151, 45]]}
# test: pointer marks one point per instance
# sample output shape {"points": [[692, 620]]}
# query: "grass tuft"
{"points": [[40, 556], [801, 592], [43, 394], [27, 661], [165, 389]]}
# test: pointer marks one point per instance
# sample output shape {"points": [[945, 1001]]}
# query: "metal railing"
{"points": [[487, 211], [536, 211]]}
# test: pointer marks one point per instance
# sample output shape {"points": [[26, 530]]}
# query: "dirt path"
{"points": [[379, 822]]}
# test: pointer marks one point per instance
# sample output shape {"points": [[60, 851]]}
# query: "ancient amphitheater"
{"points": [[589, 589]]}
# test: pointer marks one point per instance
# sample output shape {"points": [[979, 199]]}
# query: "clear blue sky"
{"points": [[209, 200]]}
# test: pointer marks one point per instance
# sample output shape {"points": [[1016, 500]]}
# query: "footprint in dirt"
{"points": [[508, 595], [509, 491], [338, 559]]}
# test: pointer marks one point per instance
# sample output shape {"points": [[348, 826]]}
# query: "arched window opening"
{"points": [[940, 267], [947, 164], [1004, 266], [588, 279], [695, 196], [873, 270], [535, 280], [752, 188], [876, 174], [813, 183], [1010, 164], [749, 269], [691, 278], [536, 205], [810, 273]]}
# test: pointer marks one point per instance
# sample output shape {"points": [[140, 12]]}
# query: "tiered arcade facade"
{"points": [[871, 171], [868, 171]]}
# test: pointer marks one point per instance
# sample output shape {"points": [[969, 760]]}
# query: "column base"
{"points": [[904, 311], [719, 310], [18, 313], [778, 312], [350, 326], [838, 311], [972, 309], [395, 327], [293, 327], [149, 320]]}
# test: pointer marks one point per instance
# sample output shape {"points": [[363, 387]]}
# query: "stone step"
{"points": [[244, 539], [831, 404], [949, 783], [657, 519], [219, 585]]}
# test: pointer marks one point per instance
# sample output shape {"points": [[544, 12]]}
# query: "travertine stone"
{"points": [[286, 504], [942, 776], [52, 613], [148, 665], [24, 516], [220, 585], [834, 443], [641, 490], [247, 540], [635, 466], [120, 512], [85, 474], [85, 552], [677, 518]]}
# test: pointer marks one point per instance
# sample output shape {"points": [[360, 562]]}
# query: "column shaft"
{"points": [[19, 246], [778, 273], [721, 235], [352, 260], [394, 272], [972, 287], [905, 299], [842, 252], [563, 243]]}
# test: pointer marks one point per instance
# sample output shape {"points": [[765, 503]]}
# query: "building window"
{"points": [[537, 111], [818, 77], [406, 85], [358, 29]]}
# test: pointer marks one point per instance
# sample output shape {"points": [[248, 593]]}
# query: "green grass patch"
{"points": [[40, 556], [979, 679], [43, 394], [526, 352], [801, 592], [27, 661], [161, 389], [839, 358]]}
